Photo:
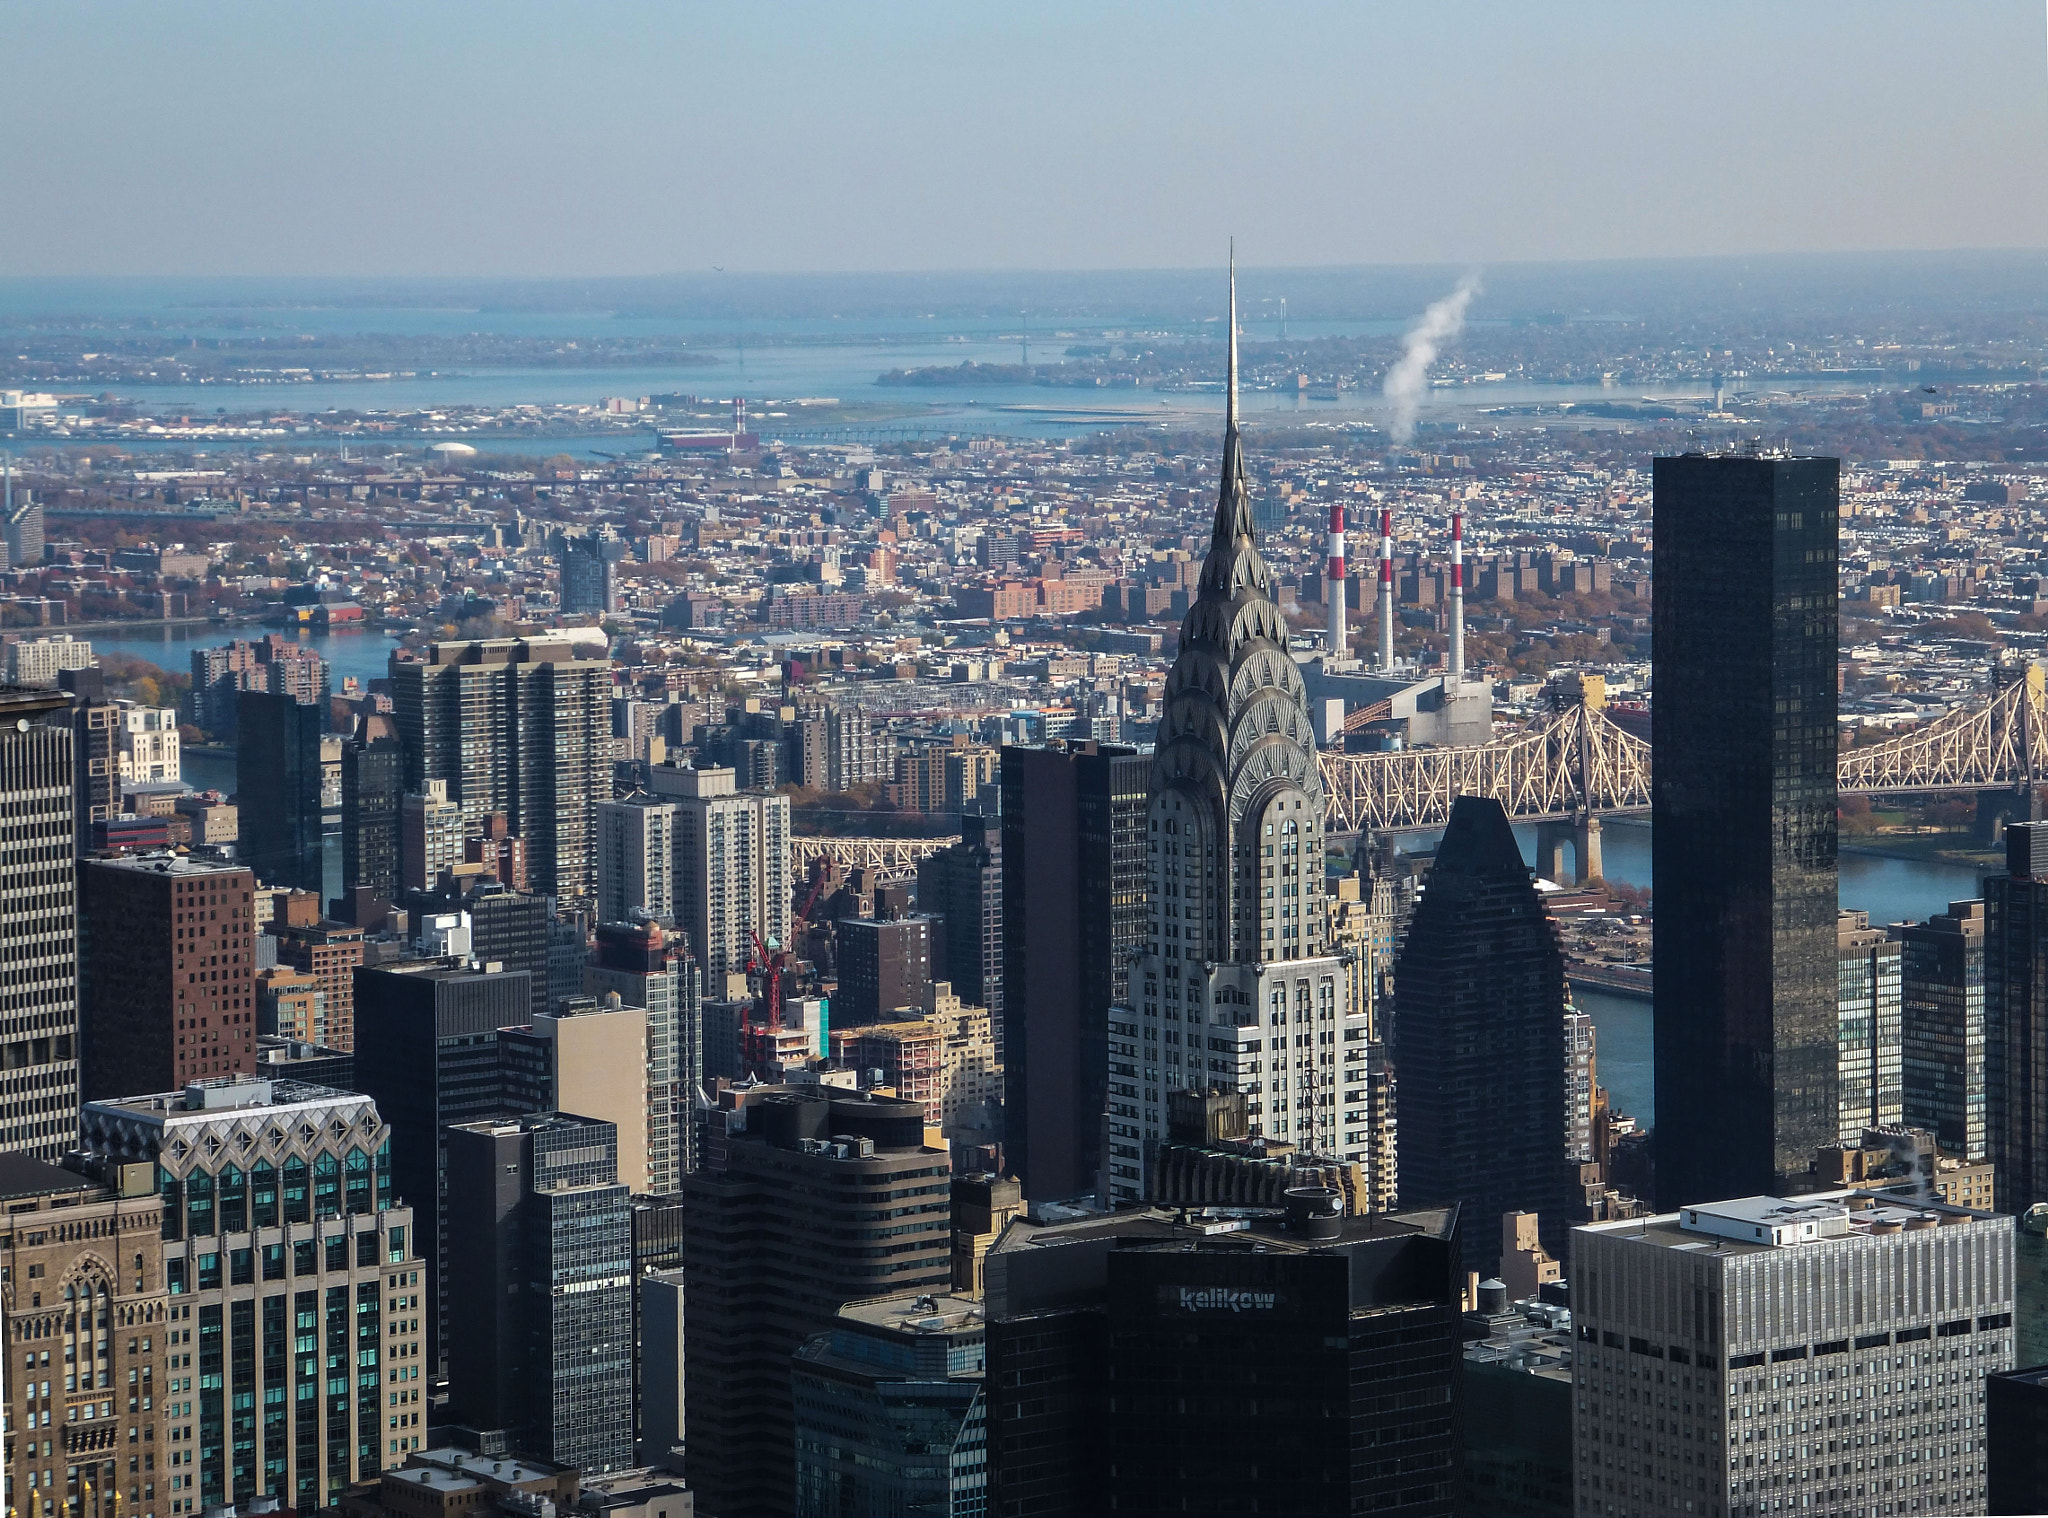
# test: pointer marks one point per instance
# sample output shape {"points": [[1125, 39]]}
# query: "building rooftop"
{"points": [[448, 1469], [174, 865], [926, 1313], [1749, 1224], [1531, 1336], [1157, 1227], [22, 1176]]}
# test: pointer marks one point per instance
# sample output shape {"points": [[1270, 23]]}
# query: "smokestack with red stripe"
{"points": [[1386, 590], [1339, 646], [1457, 661]]}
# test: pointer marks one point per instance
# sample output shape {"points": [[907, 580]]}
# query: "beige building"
{"points": [[149, 743], [289, 1003], [945, 1060], [590, 1059], [84, 1311]]}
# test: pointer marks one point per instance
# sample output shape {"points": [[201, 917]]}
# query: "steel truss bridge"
{"points": [[1577, 764]]}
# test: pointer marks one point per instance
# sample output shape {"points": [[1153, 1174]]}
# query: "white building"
{"points": [[1822, 1354], [732, 869], [35, 661], [429, 836], [149, 743], [1239, 986], [636, 863]]}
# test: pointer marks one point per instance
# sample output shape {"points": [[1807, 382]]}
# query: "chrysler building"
{"points": [[1237, 987]]}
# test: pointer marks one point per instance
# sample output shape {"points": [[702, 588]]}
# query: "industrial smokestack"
{"points": [[1457, 661], [1334, 583], [1386, 590]]}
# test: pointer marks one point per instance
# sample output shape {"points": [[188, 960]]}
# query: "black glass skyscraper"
{"points": [[1479, 1039], [1074, 904], [2016, 1017], [372, 781], [277, 757], [1744, 638]]}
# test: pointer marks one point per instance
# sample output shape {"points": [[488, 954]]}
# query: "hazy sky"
{"points": [[623, 138]]}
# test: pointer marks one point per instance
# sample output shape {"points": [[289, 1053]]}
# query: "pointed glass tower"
{"points": [[1237, 988]]}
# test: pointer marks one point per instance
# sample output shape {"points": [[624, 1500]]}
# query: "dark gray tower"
{"points": [[1744, 640], [1478, 1039]]}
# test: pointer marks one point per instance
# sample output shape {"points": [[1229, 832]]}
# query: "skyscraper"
{"points": [[590, 1058], [1236, 986], [1479, 1039], [1743, 803], [882, 1367], [427, 1052], [2016, 1016], [39, 923], [294, 1268], [885, 967], [1306, 1363], [429, 836], [645, 965], [520, 726], [541, 1335], [585, 559], [1944, 1028], [1754, 1320], [1869, 1037], [636, 858], [962, 886], [166, 957], [273, 663], [732, 867], [1075, 893], [372, 782], [277, 748], [824, 1197]]}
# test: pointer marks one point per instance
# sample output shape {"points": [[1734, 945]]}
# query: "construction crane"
{"points": [[766, 972]]}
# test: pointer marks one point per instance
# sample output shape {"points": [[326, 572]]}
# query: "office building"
{"points": [[1870, 1035], [646, 965], [1479, 1038], [272, 663], [961, 888], [540, 1338], [1944, 1028], [77, 1324], [330, 952], [520, 726], [584, 559], [427, 1053], [39, 924], [293, 1277], [590, 1058], [1743, 805], [506, 928], [96, 751], [903, 1362], [885, 968], [2016, 1441], [166, 972], [821, 1198], [278, 740], [1076, 894], [1515, 1450], [1334, 1339], [372, 785], [732, 881], [1792, 1366], [2016, 1015], [659, 1298], [430, 837], [286, 1059], [636, 858]]}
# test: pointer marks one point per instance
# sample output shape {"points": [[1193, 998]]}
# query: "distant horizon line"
{"points": [[710, 272]]}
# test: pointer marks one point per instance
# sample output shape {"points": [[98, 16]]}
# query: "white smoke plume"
{"points": [[1405, 381]]}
